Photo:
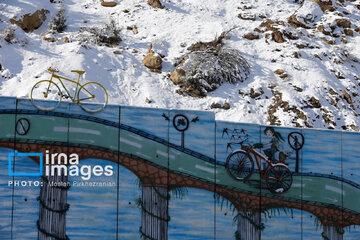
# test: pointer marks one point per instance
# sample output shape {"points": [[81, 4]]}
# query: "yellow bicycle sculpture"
{"points": [[92, 96]]}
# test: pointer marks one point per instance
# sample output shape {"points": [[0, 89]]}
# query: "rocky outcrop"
{"points": [[29, 22]]}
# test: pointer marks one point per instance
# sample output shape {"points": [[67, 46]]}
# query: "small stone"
{"points": [[108, 4], [278, 37], [177, 76], [348, 32], [226, 106], [279, 71], [331, 42], [117, 52], [147, 100], [155, 3], [344, 23], [178, 91], [347, 97], [251, 36], [135, 31], [247, 16], [215, 105], [284, 75], [49, 39], [126, 11], [134, 51], [182, 45], [296, 54], [65, 39], [315, 103]]}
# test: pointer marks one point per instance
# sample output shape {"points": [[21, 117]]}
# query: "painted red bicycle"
{"points": [[240, 166]]}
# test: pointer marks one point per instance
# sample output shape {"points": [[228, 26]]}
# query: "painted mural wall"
{"points": [[171, 174]]}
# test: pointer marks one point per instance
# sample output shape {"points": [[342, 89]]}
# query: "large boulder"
{"points": [[307, 15], [152, 60], [29, 22]]}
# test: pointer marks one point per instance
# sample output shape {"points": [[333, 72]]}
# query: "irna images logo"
{"points": [[58, 164]]}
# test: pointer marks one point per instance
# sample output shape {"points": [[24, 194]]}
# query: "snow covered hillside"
{"points": [[303, 55]]}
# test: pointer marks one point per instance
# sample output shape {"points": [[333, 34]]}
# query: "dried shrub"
{"points": [[9, 35], [108, 35], [207, 69], [58, 23]]}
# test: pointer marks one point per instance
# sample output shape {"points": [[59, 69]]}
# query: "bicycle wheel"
{"points": [[45, 90], [279, 178], [92, 97], [239, 165]]}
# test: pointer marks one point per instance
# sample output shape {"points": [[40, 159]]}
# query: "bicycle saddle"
{"points": [[52, 70], [78, 71]]}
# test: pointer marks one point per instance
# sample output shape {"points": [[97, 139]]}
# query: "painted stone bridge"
{"points": [[162, 164]]}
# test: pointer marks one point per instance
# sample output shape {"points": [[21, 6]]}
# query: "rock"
{"points": [[178, 91], [347, 98], [147, 100], [117, 52], [125, 11], [151, 60], [30, 22], [325, 5], [332, 92], [49, 39], [344, 23], [268, 24], [247, 16], [256, 95], [277, 37], [135, 31], [321, 28], [155, 3], [331, 42], [279, 71], [177, 76], [315, 103], [355, 128], [357, 29], [348, 32], [215, 105], [291, 35], [108, 4], [65, 39], [226, 106], [251, 36], [194, 92], [293, 20], [284, 75], [134, 51]]}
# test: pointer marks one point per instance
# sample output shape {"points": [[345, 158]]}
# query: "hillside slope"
{"points": [[303, 56]]}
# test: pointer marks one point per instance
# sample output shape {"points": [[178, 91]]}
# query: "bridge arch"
{"points": [[159, 176]]}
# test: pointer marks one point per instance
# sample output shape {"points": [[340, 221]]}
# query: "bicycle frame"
{"points": [[73, 98], [257, 156]]}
